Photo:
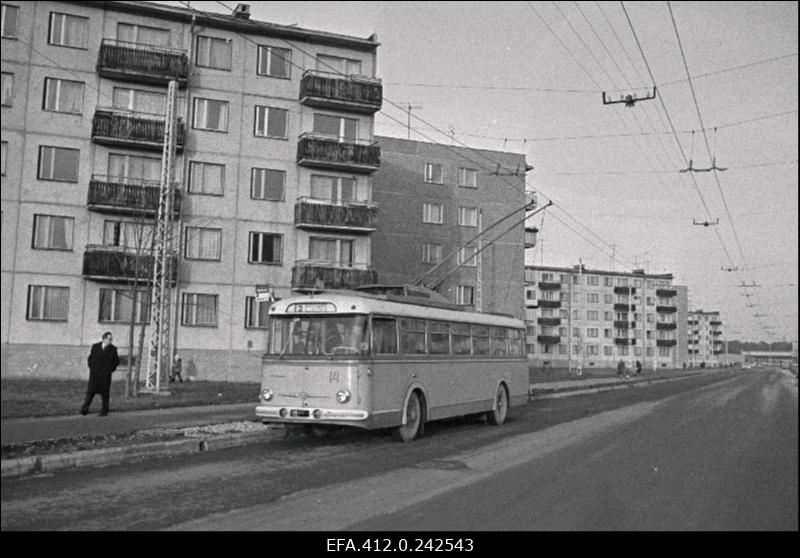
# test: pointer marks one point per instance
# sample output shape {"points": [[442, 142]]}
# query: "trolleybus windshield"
{"points": [[318, 335]]}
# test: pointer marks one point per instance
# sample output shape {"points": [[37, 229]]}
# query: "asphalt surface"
{"points": [[48, 444]]}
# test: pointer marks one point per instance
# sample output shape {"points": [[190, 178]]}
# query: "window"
{"points": [[431, 253], [432, 213], [270, 122], [480, 339], [206, 178], [593, 280], [465, 295], [412, 336], [466, 256], [593, 315], [267, 184], [608, 299], [199, 310], [61, 95], [51, 232], [210, 115], [622, 350], [134, 169], [336, 126], [127, 234], [608, 316], [10, 17], [58, 163], [499, 342], [593, 298], [48, 303], [265, 248], [142, 35], [120, 306], [68, 30], [576, 332], [608, 351], [663, 351], [3, 157], [433, 174], [608, 281], [336, 64], [213, 52], [203, 244], [467, 216], [255, 313], [607, 333], [138, 100], [650, 301], [274, 61], [438, 338], [384, 336], [461, 339], [7, 88], [592, 350], [467, 178], [334, 188], [333, 251]]}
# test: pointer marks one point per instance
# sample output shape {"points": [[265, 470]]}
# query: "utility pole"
{"points": [[159, 355], [411, 106], [479, 263], [581, 293]]}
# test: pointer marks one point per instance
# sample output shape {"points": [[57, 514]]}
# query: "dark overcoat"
{"points": [[102, 362]]}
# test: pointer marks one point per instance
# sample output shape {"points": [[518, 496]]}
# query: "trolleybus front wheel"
{"points": [[500, 412], [410, 430]]}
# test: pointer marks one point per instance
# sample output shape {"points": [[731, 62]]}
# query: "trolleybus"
{"points": [[384, 358]]}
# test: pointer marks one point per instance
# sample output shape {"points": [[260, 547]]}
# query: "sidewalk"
{"points": [[32, 445]]}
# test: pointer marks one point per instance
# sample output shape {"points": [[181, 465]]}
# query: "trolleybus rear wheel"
{"points": [[408, 431], [498, 415]]}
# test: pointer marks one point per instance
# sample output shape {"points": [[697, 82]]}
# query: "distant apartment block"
{"points": [[582, 318], [706, 345]]}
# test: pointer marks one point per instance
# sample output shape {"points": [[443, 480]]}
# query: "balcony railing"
{"points": [[112, 194], [666, 342], [142, 63], [624, 341], [624, 307], [621, 324], [716, 333], [624, 290], [715, 323], [549, 285], [350, 93], [666, 325], [666, 293], [328, 152], [549, 303], [116, 264], [549, 321], [666, 309], [305, 275], [549, 339], [310, 213], [132, 130]]}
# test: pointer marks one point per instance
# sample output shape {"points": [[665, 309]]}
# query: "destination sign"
{"points": [[311, 307]]}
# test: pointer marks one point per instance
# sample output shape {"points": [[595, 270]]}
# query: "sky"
{"points": [[529, 77]]}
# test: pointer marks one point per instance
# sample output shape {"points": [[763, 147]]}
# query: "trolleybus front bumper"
{"points": [[309, 415]]}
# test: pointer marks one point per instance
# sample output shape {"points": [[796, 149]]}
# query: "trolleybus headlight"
{"points": [[343, 396], [317, 413], [266, 394], [283, 412]]}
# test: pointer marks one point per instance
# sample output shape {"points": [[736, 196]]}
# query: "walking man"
{"points": [[103, 360]]}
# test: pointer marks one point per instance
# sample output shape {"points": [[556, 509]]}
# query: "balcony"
{"points": [[666, 326], [623, 324], [716, 333], [624, 290], [351, 93], [666, 293], [354, 217], [715, 323], [132, 130], [666, 342], [142, 63], [531, 234], [329, 153], [306, 273], [666, 309], [624, 307], [125, 196], [549, 303], [549, 286], [115, 264], [549, 339], [549, 321], [624, 341]]}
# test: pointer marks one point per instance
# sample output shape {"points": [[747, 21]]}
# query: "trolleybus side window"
{"points": [[480, 340], [438, 338], [514, 342], [462, 344], [384, 336], [499, 336], [412, 336]]}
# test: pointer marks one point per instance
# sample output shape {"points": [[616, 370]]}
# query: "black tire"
{"points": [[498, 415], [411, 429]]}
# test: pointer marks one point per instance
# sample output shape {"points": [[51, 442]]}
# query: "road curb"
{"points": [[608, 387], [37, 464]]}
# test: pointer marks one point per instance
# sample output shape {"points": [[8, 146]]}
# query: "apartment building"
{"points": [[273, 185], [579, 318], [438, 206], [704, 335]]}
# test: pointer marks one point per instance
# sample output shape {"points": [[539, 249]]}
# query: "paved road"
{"points": [[715, 452]]}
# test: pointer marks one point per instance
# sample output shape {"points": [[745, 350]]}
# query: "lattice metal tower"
{"points": [[159, 355]]}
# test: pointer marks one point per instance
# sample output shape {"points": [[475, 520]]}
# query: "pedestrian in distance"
{"points": [[638, 368], [103, 360], [177, 368], [620, 368]]}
